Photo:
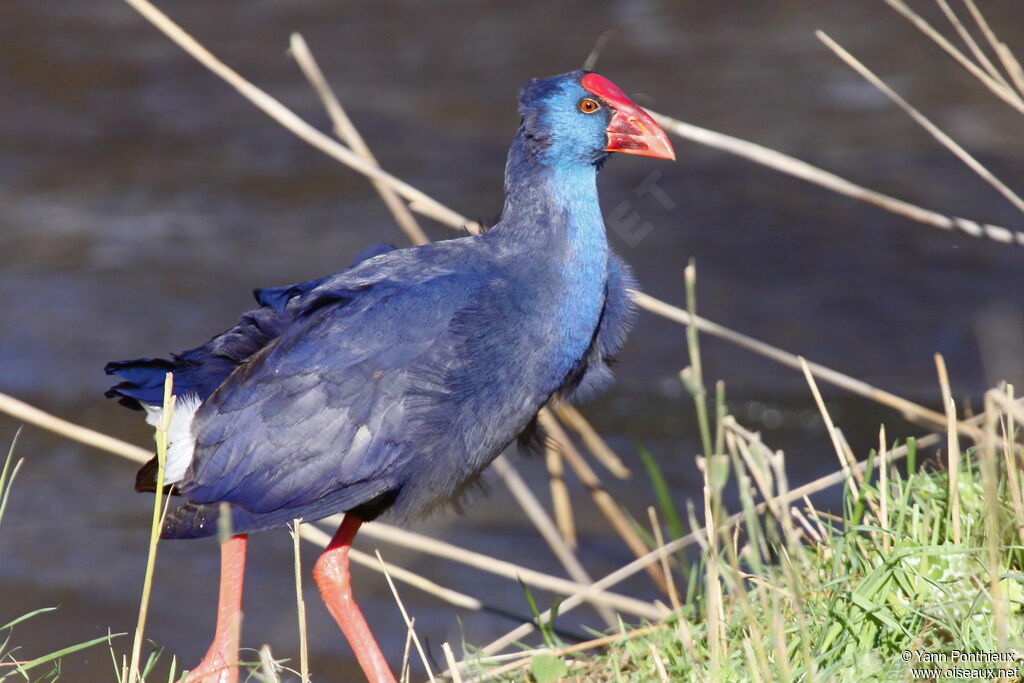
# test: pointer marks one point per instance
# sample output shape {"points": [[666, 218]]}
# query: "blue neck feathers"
{"points": [[552, 210]]}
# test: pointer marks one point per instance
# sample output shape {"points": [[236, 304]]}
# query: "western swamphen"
{"points": [[392, 384]]}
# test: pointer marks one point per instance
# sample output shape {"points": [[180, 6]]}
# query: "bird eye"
{"points": [[589, 106]]}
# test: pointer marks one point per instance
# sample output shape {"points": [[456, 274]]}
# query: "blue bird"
{"points": [[391, 385]]}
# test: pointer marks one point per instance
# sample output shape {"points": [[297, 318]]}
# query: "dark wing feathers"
{"points": [[322, 409]]}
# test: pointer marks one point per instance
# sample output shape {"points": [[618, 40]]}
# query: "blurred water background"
{"points": [[141, 200]]}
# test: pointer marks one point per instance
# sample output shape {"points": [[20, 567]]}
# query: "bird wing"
{"points": [[332, 403]]}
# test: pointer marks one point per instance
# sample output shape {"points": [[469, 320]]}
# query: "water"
{"points": [[141, 200]]}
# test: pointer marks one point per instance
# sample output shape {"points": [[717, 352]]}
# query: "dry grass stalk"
{"points": [[979, 55], [405, 615], [990, 484], [604, 502], [575, 421], [22, 411], [1007, 58], [453, 667], [509, 570], [546, 527], [832, 431], [1012, 465], [300, 603], [784, 163], [350, 135], [923, 121], [810, 533], [712, 585], [405, 671], [1004, 93], [525, 657], [823, 533], [912, 411], [658, 664], [318, 537], [952, 447], [883, 486], [560, 494], [289, 119], [268, 668], [659, 540]]}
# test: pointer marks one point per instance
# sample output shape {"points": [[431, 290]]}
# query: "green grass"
{"points": [[811, 596]]}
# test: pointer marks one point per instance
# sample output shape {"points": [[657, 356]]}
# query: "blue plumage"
{"points": [[394, 383]]}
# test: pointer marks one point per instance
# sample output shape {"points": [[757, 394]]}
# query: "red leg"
{"points": [[331, 575], [220, 665]]}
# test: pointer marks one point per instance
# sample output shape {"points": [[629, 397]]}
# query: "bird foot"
{"points": [[216, 667]]}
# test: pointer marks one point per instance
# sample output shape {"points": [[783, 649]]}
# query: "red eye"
{"points": [[589, 106]]}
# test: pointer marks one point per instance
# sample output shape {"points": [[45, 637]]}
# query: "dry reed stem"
{"points": [[597, 446], [300, 603], [560, 494], [449, 658], [655, 525], [923, 121], [965, 35], [789, 165], [658, 664], [268, 668], [20, 410], [546, 527], [810, 532], [605, 503], [659, 540], [405, 672], [712, 586], [526, 656], [1012, 466], [350, 135], [405, 616], [990, 486], [823, 533], [1006, 94], [509, 570], [1009, 61], [289, 119], [1012, 65], [883, 486], [320, 538], [952, 447], [832, 431], [909, 409]]}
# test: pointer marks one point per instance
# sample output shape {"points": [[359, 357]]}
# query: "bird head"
{"points": [[580, 116]]}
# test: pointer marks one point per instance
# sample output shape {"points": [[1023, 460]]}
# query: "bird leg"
{"points": [[220, 665], [332, 577]]}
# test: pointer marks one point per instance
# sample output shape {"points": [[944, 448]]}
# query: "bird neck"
{"points": [[552, 206]]}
